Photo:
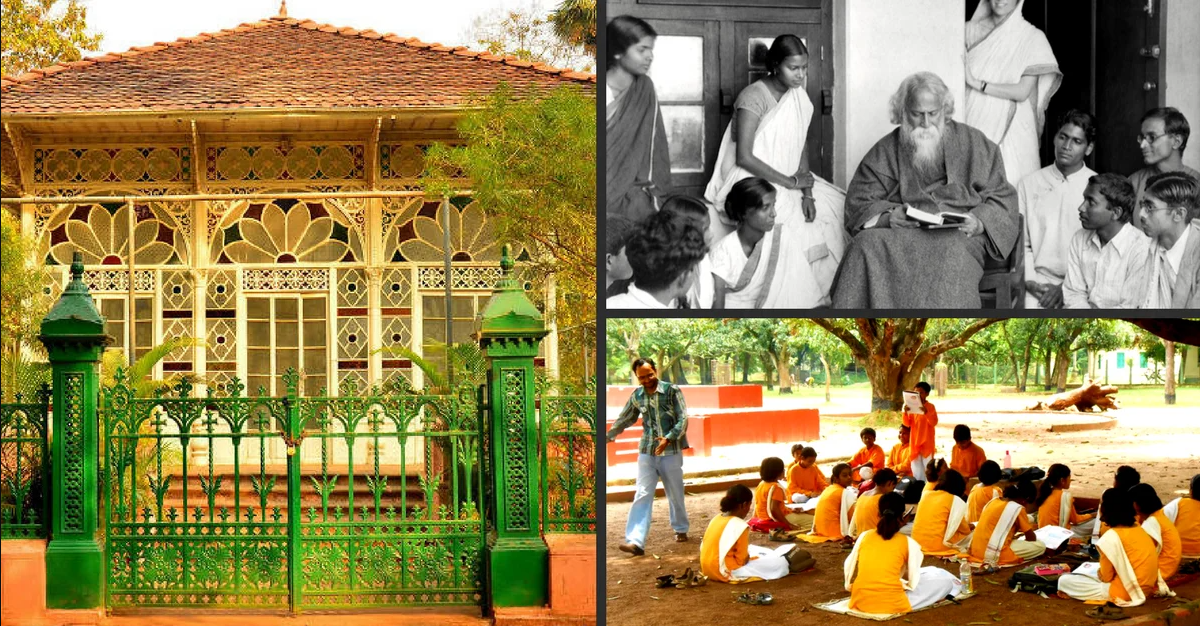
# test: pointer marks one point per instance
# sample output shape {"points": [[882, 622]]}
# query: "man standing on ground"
{"points": [[663, 413], [921, 438]]}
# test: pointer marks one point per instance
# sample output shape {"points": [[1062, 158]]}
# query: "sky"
{"points": [[129, 23]]}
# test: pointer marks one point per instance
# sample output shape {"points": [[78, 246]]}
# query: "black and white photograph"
{"points": [[997, 154]]}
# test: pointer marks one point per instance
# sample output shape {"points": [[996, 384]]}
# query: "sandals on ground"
{"points": [[756, 598], [1107, 612]]}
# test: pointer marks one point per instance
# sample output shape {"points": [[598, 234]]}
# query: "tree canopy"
{"points": [[40, 33], [531, 34]]}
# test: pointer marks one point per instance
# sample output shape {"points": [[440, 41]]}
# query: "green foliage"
{"points": [[22, 375], [575, 21], [531, 161], [531, 35], [881, 419], [22, 308], [40, 33], [467, 360]]}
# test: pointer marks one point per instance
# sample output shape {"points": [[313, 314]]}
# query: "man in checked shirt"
{"points": [[660, 454]]}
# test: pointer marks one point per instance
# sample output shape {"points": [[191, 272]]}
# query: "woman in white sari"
{"points": [[1011, 76], [766, 139]]}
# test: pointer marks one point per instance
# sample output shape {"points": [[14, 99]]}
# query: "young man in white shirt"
{"points": [[664, 254], [1164, 137], [1049, 200], [1109, 252], [1172, 276]]}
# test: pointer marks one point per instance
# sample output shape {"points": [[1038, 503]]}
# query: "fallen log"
{"points": [[1089, 396]]}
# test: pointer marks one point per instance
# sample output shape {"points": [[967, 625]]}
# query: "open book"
{"points": [[943, 219], [912, 403]]}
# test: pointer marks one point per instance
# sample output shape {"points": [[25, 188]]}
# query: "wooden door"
{"points": [[1127, 37], [714, 49]]}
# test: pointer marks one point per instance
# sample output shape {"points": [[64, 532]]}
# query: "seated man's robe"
{"points": [[915, 268]]}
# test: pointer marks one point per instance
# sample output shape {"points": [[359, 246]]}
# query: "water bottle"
{"points": [[964, 574], [1007, 460]]}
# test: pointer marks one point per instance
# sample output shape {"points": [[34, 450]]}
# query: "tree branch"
{"points": [[857, 348]]}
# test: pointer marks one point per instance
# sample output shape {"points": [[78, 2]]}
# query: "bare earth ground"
{"points": [[1164, 444]]}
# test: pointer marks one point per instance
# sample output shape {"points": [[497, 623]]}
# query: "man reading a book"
{"points": [[935, 165]]}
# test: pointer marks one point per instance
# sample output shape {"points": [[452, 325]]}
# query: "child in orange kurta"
{"points": [[900, 457], [1050, 501], [870, 455], [883, 573], [1011, 551], [937, 512], [1119, 514], [1187, 520], [769, 510], [829, 509], [804, 478], [726, 559], [1149, 507], [985, 491], [866, 508], [921, 443], [965, 457]]}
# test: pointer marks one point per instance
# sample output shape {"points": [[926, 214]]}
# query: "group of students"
{"points": [[1141, 541]]}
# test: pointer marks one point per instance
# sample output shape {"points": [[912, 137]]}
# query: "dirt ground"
{"points": [[1164, 444]]}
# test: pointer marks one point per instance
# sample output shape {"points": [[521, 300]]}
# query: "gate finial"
{"points": [[282, 8]]}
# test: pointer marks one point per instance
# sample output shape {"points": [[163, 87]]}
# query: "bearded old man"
{"points": [[933, 164]]}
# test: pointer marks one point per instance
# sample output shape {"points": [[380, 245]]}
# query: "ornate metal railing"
{"points": [[568, 460], [25, 468], [353, 501]]}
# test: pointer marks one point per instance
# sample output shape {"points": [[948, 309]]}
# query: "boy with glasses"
{"points": [[1163, 138], [1172, 268]]}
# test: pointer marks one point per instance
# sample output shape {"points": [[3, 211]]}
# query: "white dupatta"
{"points": [[813, 250], [1001, 532], [914, 561], [729, 537], [958, 512], [1171, 510], [1110, 545], [848, 498], [1064, 509], [1013, 49]]}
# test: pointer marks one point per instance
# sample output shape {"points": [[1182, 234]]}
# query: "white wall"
{"points": [[877, 43], [1183, 72]]}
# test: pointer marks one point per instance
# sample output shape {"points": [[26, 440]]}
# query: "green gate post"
{"points": [[73, 333], [518, 558]]}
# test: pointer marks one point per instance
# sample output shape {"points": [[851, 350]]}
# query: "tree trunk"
{"points": [[768, 362], [746, 369], [785, 373], [1061, 362], [1049, 382], [825, 364], [1084, 399], [706, 372], [677, 374], [1023, 380], [1169, 387], [1183, 355]]}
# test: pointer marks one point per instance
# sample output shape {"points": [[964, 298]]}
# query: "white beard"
{"points": [[924, 145]]}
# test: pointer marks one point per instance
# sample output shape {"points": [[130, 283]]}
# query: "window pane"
{"points": [[685, 136], [286, 309], [259, 362], [314, 333], [678, 68], [434, 306], [287, 335], [258, 333], [464, 306], [314, 308], [314, 361], [285, 359], [258, 308]]}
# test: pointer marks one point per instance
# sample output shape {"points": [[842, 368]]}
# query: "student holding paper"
{"points": [[1003, 519], [921, 418], [1128, 560], [1056, 505]]}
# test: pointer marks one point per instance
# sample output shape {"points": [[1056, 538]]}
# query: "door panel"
{"points": [[1131, 80]]}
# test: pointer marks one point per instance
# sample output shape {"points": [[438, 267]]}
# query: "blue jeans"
{"points": [[650, 470]]}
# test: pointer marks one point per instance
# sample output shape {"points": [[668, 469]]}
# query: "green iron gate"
{"points": [[292, 503]]}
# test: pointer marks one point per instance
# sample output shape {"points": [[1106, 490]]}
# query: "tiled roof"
{"points": [[275, 63]]}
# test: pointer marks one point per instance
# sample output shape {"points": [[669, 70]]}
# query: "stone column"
{"points": [[510, 330], [74, 335]]}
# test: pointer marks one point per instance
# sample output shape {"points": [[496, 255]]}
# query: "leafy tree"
{"points": [[22, 308], [895, 352], [531, 161], [40, 33], [531, 35], [831, 351], [575, 22]]}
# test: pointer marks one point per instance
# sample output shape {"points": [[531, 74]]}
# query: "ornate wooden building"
{"points": [[260, 186]]}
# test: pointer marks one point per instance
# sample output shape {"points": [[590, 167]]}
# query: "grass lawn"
{"points": [[1137, 396]]}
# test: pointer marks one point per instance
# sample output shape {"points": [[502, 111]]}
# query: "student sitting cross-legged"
{"points": [[1124, 479], [1128, 560], [1056, 505], [883, 573], [986, 491], [934, 470], [1161, 529], [835, 509], [769, 510], [900, 457], [866, 509], [1185, 514], [726, 554], [805, 479], [869, 456], [941, 525], [966, 456], [1004, 518]]}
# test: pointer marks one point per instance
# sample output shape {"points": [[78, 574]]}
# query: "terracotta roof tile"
{"points": [[275, 63]]}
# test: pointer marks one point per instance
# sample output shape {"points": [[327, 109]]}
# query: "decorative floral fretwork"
{"points": [[118, 280], [352, 288], [221, 287], [480, 278], [177, 289], [395, 288], [73, 453], [298, 163], [472, 237], [101, 233], [516, 471], [289, 279], [402, 160], [166, 164], [284, 231]]}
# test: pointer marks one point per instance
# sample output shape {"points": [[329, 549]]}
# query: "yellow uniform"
{"points": [[1188, 525], [809, 481], [900, 460], [987, 525], [866, 513], [1048, 512], [1139, 547], [828, 514], [1172, 549], [877, 587], [710, 550], [978, 499], [929, 529], [872, 455], [763, 495], [967, 462]]}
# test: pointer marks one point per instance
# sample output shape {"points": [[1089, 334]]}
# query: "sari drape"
{"points": [[808, 253], [1009, 51], [638, 160]]}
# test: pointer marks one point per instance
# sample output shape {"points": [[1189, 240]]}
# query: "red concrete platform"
{"points": [[699, 396], [716, 428]]}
